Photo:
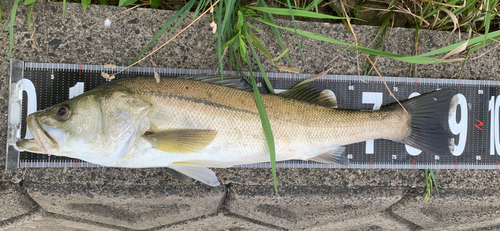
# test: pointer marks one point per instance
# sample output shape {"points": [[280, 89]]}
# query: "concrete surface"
{"points": [[310, 199]]}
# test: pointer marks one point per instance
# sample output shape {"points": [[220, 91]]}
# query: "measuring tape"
{"points": [[475, 127]]}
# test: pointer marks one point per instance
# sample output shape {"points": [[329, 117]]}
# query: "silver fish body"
{"points": [[190, 125]]}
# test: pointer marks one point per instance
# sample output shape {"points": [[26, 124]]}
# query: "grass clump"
{"points": [[430, 180]]}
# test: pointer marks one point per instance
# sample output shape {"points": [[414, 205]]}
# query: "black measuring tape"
{"points": [[475, 125]]}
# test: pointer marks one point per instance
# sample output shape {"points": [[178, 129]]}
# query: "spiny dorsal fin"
{"points": [[231, 81], [334, 156], [310, 94], [327, 99], [184, 141]]}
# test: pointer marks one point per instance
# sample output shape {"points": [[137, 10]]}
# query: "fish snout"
{"points": [[47, 139]]}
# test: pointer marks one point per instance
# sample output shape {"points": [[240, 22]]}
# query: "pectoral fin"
{"points": [[201, 174], [333, 156], [182, 141]]}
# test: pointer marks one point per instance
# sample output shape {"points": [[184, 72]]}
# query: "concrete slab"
{"points": [[306, 207], [137, 207], [451, 209]]}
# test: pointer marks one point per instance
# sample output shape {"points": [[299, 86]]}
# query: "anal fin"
{"points": [[334, 156], [201, 174], [179, 176]]}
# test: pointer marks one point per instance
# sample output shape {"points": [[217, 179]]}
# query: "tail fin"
{"points": [[429, 122]]}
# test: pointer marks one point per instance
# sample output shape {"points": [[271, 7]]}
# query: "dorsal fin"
{"points": [[310, 94], [231, 81]]}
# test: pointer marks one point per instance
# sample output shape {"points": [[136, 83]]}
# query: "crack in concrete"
{"points": [[84, 221], [18, 218], [224, 210], [181, 222], [32, 212], [395, 217], [257, 222]]}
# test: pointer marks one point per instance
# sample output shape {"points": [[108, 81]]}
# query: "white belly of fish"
{"points": [[218, 154]]}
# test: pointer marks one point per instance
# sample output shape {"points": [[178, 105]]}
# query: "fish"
{"points": [[191, 124]]}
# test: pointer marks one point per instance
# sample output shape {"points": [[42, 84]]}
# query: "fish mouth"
{"points": [[45, 139]]}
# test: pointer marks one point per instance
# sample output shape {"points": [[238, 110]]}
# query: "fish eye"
{"points": [[63, 112]]}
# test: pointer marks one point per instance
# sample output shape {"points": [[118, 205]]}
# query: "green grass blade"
{"points": [[434, 181], [258, 44], [251, 42], [11, 31], [155, 3], [219, 32], [266, 125], [310, 79], [483, 44], [408, 59], [64, 8], [232, 53], [436, 9], [30, 13], [384, 26], [230, 42], [85, 4], [428, 186], [466, 57], [285, 4], [233, 59], [230, 7], [250, 25], [379, 45], [487, 19], [313, 4], [282, 54], [455, 45], [28, 2], [103, 2], [417, 34], [184, 11], [3, 27], [293, 13], [269, 18], [243, 49], [201, 5], [124, 2], [224, 25], [295, 29], [256, 41]]}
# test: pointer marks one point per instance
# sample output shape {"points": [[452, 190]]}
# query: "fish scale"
{"points": [[474, 126], [301, 130]]}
